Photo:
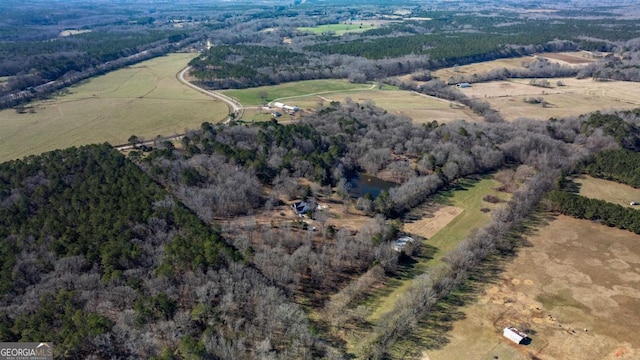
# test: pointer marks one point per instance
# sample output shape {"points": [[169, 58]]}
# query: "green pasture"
{"points": [[467, 196], [144, 99], [338, 29], [252, 96]]}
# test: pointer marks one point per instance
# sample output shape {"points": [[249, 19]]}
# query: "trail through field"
{"points": [[235, 107], [318, 94]]}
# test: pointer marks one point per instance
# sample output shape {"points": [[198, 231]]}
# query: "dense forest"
{"points": [[162, 283], [396, 48], [159, 254], [101, 260]]}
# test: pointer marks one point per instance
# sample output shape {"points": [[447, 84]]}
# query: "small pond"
{"points": [[363, 183]]}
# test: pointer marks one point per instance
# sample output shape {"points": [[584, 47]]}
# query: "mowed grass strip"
{"points": [[252, 96], [145, 99], [468, 196], [606, 190]]}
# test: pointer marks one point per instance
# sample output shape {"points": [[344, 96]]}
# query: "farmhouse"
{"points": [[301, 207], [515, 335], [399, 244], [463, 85]]}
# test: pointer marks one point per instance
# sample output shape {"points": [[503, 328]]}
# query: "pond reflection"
{"points": [[363, 183]]}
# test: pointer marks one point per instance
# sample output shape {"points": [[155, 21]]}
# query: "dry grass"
{"points": [[482, 67], [429, 226], [145, 99], [610, 191], [420, 108], [575, 275], [577, 58], [578, 96]]}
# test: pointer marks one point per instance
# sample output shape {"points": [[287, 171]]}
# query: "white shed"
{"points": [[514, 335], [399, 244]]}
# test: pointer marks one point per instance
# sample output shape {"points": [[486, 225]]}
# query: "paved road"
{"points": [[234, 106]]}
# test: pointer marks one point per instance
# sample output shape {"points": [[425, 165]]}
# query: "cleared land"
{"points": [[466, 202], [344, 28], [309, 94], [145, 99], [577, 58], [576, 286], [429, 226], [419, 107], [576, 97], [610, 191], [482, 67], [251, 97]]}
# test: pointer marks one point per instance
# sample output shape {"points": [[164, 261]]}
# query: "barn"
{"points": [[515, 335]]}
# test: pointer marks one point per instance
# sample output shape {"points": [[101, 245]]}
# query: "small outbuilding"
{"points": [[515, 335], [399, 244], [463, 85]]}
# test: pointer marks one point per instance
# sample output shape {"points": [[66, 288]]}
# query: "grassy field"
{"points": [[482, 67], [610, 191], [468, 198], [251, 97], [576, 58], [309, 94], [338, 29], [145, 99], [419, 107], [576, 97], [576, 287]]}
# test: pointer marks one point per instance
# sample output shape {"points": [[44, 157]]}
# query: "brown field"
{"points": [[429, 226], [577, 58], [610, 191], [578, 96], [569, 58], [482, 67], [420, 108], [575, 286]]}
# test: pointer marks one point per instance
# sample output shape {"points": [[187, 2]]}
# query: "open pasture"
{"points": [[574, 58], [606, 190], [482, 67], [145, 99], [354, 26], [575, 289], [419, 107], [264, 94], [576, 97]]}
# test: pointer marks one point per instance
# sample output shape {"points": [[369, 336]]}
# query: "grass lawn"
{"points": [[467, 197], [251, 97], [144, 99]]}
